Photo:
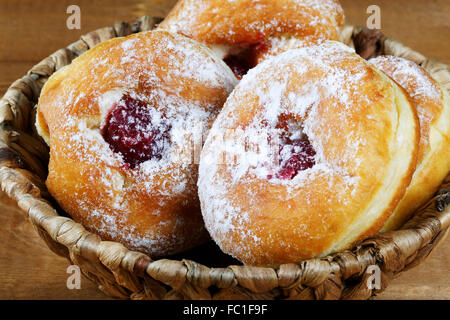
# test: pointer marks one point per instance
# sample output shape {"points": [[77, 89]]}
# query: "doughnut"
{"points": [[311, 153], [119, 121], [239, 30], [275, 46], [432, 103]]}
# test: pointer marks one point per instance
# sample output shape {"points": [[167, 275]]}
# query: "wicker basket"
{"points": [[122, 273]]}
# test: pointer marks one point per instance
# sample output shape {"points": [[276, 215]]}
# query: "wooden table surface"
{"points": [[32, 29]]}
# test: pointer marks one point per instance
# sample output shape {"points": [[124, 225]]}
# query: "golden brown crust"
{"points": [[249, 22], [364, 131], [153, 207], [433, 108], [277, 45]]}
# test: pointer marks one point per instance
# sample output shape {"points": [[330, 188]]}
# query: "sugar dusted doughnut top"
{"points": [[234, 22], [421, 88], [432, 104], [119, 120], [347, 145]]}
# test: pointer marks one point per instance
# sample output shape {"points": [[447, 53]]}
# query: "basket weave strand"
{"points": [[122, 273]]}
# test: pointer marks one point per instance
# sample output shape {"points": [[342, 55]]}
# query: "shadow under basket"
{"points": [[204, 272]]}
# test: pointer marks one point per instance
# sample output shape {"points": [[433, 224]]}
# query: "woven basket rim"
{"points": [[120, 272]]}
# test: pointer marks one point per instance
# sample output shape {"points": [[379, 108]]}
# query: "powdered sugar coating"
{"points": [[153, 207], [334, 96], [420, 86], [410, 76], [250, 21], [430, 101], [241, 31], [277, 45]]}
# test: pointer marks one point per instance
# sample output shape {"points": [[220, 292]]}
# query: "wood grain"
{"points": [[29, 270], [31, 30]]}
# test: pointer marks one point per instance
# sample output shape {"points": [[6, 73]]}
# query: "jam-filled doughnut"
{"points": [[432, 103], [119, 121], [240, 31], [311, 153]]}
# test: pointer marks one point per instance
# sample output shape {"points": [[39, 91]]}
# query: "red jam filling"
{"points": [[239, 64], [296, 152], [245, 60], [301, 156], [129, 130]]}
